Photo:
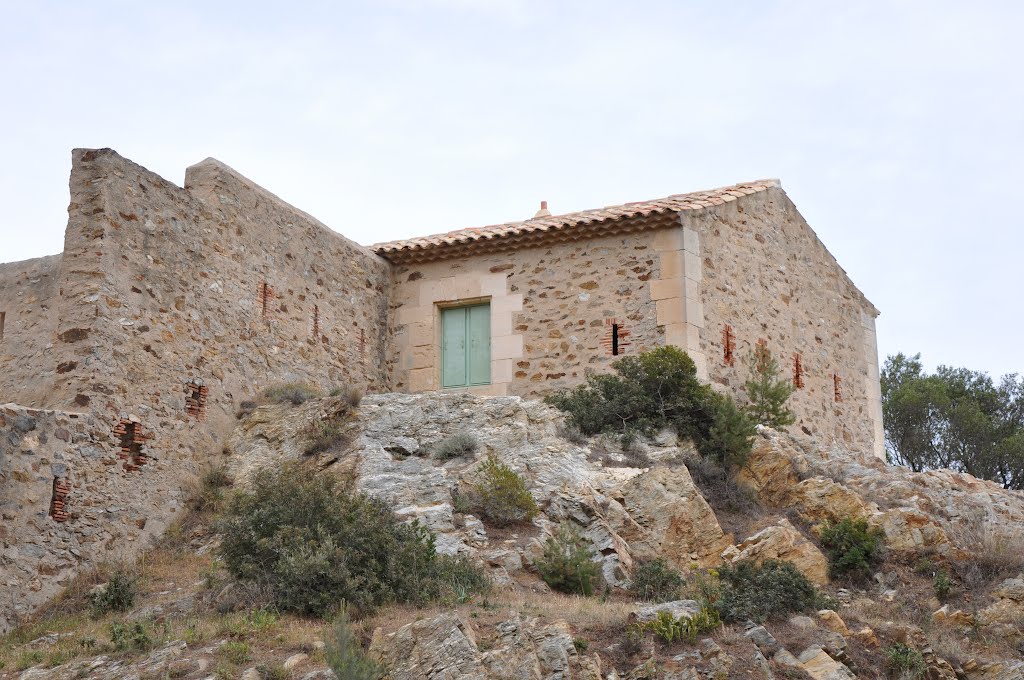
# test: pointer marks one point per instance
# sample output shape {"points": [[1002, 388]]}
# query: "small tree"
{"points": [[767, 392], [566, 564]]}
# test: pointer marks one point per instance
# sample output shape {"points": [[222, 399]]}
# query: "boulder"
{"points": [[668, 517], [782, 541], [643, 613]]}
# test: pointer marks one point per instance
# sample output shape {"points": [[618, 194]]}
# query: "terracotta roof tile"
{"points": [[592, 219]]}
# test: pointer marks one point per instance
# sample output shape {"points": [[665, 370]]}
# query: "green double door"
{"points": [[466, 346]]}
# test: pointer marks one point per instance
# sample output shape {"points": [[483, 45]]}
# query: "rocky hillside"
{"points": [[654, 500]]}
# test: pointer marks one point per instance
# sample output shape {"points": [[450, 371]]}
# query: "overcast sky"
{"points": [[897, 127]]}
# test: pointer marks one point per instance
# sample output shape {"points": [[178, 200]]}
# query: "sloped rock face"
{"points": [[917, 510], [625, 512]]}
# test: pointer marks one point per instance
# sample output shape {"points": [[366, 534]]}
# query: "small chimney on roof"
{"points": [[543, 212]]}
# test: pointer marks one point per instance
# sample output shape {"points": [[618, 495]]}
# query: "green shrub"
{"points": [[116, 595], [942, 585], [322, 435], [290, 393], [501, 496], [654, 390], [757, 592], [656, 581], [581, 644], [312, 543], [905, 662], [670, 629], [566, 563], [130, 637], [344, 654], [852, 546], [456, 446], [458, 580], [767, 393]]}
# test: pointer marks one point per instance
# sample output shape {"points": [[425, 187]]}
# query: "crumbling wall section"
{"points": [[29, 292], [64, 503]]}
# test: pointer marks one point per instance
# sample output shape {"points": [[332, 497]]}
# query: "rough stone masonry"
{"points": [[124, 359]]}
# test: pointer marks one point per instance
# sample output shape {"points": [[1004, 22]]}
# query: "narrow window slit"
{"points": [[195, 399], [798, 371], [728, 346], [837, 386], [59, 499], [131, 440]]}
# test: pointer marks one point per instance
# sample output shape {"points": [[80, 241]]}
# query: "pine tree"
{"points": [[767, 393]]}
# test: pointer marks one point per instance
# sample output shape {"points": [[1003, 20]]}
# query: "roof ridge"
{"points": [[695, 200]]}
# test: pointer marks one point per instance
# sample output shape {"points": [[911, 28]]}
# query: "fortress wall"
{"points": [[170, 306], [48, 456], [28, 300], [760, 269]]}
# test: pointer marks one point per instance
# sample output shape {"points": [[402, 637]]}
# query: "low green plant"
{"points": [[134, 637], [942, 585], [853, 547], [345, 655], [235, 651], [905, 662], [581, 644], [116, 595], [274, 672], [290, 393], [656, 581], [671, 629], [501, 496], [566, 564], [456, 446], [28, 659], [758, 592]]}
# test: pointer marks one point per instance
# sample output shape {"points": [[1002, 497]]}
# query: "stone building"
{"points": [[124, 359]]}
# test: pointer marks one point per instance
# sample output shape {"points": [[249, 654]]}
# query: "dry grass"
{"points": [[991, 554]]}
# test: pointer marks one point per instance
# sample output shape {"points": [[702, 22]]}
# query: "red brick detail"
{"points": [[316, 321], [615, 338], [798, 371], [195, 399], [131, 439], [837, 387], [265, 295], [59, 499], [728, 346]]}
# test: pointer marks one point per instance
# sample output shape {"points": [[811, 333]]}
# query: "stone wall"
{"points": [[761, 270], [99, 513], [28, 304], [552, 310], [167, 309]]}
